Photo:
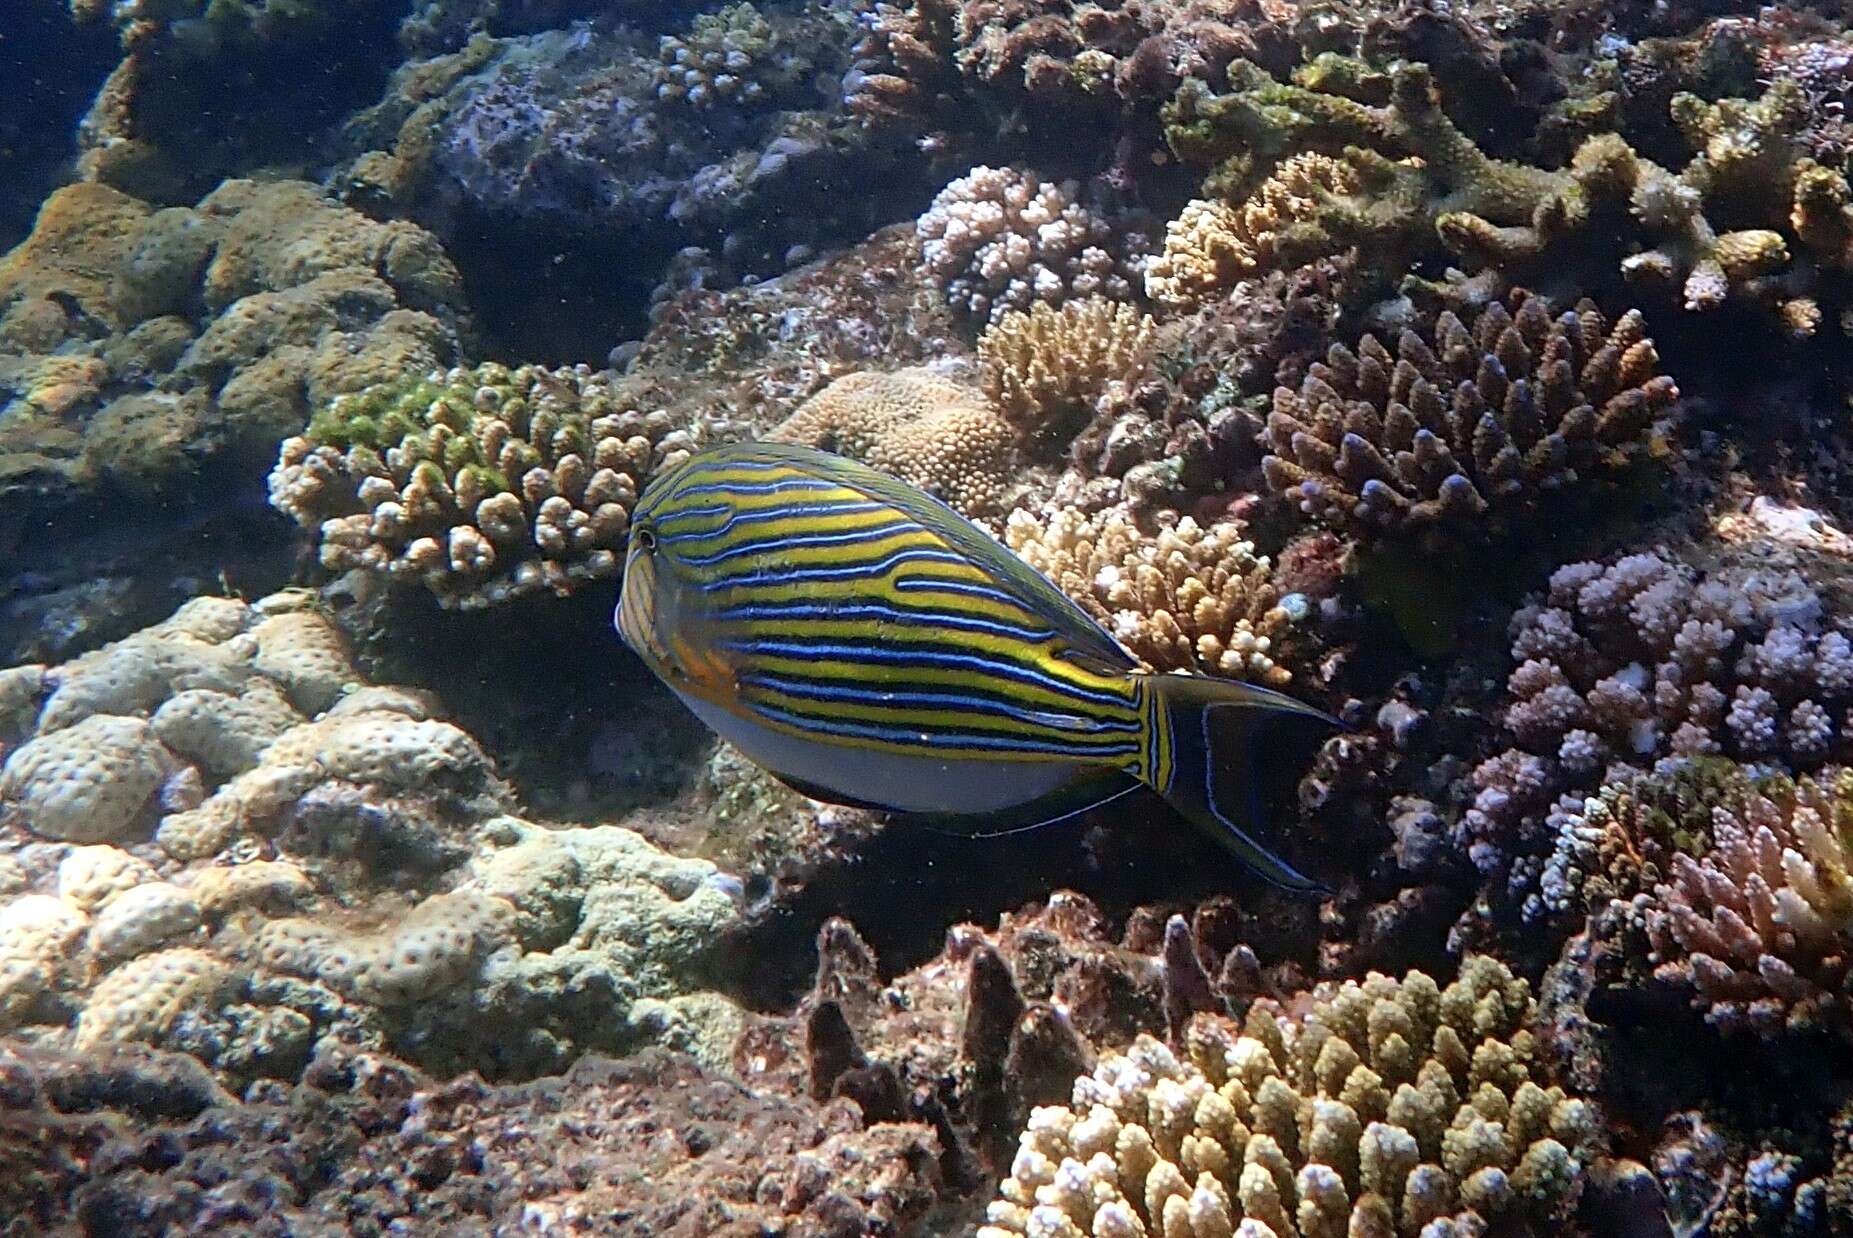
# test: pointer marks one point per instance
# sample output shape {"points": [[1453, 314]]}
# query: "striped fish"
{"points": [[869, 646]]}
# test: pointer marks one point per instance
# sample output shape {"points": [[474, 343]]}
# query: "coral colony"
{"points": [[1475, 373]]}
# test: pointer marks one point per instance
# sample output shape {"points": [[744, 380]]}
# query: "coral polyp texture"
{"points": [[1759, 927], [1002, 239], [1185, 598], [1621, 665], [1465, 429], [479, 484], [938, 434], [1212, 245], [1390, 1107], [1046, 368]]}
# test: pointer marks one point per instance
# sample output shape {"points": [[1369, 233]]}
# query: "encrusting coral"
{"points": [[1001, 239], [142, 350], [1186, 598], [929, 431], [1045, 368], [1386, 1108], [1465, 429], [480, 484], [199, 922]]}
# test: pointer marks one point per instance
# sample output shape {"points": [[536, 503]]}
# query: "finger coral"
{"points": [[1464, 429], [1000, 239], [1760, 926], [929, 431], [1387, 1107], [1045, 368], [1187, 598], [479, 484]]}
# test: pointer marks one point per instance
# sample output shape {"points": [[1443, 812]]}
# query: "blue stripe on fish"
{"points": [[867, 644]]}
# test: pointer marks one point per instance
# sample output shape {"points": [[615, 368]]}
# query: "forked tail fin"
{"points": [[1208, 765]]}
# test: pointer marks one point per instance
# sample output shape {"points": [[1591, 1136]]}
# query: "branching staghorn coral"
{"points": [[1751, 217], [1188, 598], [480, 484], [999, 239], [1462, 431], [926, 430], [1390, 1105], [1760, 927], [1045, 369], [1621, 665]]}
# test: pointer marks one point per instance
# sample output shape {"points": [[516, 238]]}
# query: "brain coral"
{"points": [[480, 484], [1187, 598], [1465, 429], [1388, 1106], [937, 434]]}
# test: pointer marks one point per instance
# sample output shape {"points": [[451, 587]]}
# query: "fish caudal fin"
{"points": [[1212, 768]]}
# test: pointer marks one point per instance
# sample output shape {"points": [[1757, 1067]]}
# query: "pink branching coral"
{"points": [[1625, 664], [999, 239], [1759, 929]]}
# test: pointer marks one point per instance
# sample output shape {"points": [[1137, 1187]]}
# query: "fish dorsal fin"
{"points": [[1088, 643]]}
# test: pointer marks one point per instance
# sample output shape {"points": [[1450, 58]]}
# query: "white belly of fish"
{"points": [[897, 781]]}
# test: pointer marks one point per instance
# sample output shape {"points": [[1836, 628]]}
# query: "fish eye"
{"points": [[645, 537]]}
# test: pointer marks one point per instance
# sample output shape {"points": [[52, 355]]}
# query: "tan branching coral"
{"points": [[481, 484], [1045, 368], [1387, 1106], [1187, 598], [1760, 927], [1213, 245], [936, 434], [1461, 429]]}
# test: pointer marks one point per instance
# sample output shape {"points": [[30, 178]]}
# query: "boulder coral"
{"points": [[929, 431], [144, 348]]}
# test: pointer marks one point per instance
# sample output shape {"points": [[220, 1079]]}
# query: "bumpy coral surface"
{"points": [[1388, 1107], [150, 354], [480, 484], [1624, 664], [940, 435], [1044, 369], [1187, 598], [1001, 239], [1468, 429]]}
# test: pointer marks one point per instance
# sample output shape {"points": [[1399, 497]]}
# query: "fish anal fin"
{"points": [[1088, 791], [1215, 780]]}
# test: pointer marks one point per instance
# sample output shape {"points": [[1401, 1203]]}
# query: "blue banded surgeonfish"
{"points": [[869, 646]]}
